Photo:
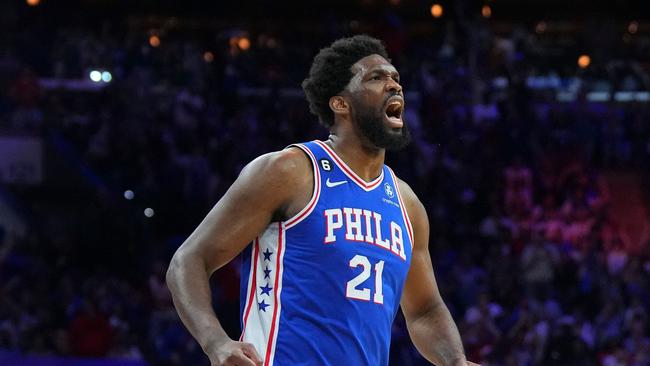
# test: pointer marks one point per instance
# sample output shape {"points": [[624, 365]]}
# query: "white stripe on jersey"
{"points": [[262, 314]]}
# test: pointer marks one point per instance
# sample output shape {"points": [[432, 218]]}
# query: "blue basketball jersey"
{"points": [[323, 287]]}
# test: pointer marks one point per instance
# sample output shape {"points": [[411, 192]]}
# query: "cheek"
{"points": [[370, 104], [373, 96]]}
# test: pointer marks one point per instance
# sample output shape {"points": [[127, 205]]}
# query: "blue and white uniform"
{"points": [[323, 287]]}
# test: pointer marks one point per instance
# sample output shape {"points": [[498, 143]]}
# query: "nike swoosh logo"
{"points": [[334, 184]]}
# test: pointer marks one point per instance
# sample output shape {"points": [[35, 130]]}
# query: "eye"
{"points": [[376, 77]]}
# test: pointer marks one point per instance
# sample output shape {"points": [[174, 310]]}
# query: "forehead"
{"points": [[371, 63]]}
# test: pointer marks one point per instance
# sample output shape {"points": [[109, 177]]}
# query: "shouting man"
{"points": [[333, 242]]}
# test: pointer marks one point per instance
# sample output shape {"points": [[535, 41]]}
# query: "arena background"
{"points": [[123, 122]]}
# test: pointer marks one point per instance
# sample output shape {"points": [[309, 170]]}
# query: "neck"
{"points": [[366, 161]]}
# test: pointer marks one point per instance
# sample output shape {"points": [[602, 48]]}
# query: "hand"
{"points": [[233, 353]]}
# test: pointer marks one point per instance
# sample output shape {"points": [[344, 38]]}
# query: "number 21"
{"points": [[353, 292]]}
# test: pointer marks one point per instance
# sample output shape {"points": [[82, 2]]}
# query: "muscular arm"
{"points": [[429, 323], [269, 188]]}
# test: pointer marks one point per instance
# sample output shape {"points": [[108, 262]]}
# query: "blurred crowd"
{"points": [[528, 257]]}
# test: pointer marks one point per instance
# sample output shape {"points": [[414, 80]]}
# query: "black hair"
{"points": [[331, 72]]}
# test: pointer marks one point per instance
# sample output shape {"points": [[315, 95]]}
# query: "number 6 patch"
{"points": [[326, 164]]}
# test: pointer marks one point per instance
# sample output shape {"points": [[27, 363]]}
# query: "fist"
{"points": [[233, 353]]}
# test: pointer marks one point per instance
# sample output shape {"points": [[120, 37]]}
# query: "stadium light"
{"points": [[208, 56], [33, 2], [436, 10], [584, 61], [128, 194], [149, 212], [107, 77], [154, 41], [244, 43], [95, 76], [486, 11], [633, 27]]}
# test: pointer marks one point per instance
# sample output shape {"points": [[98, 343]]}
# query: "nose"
{"points": [[393, 86]]}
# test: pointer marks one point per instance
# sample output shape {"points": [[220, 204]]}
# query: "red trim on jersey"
{"points": [[251, 295], [349, 172], [402, 206], [312, 203], [269, 345]]}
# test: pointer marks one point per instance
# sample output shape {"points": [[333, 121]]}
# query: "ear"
{"points": [[339, 105]]}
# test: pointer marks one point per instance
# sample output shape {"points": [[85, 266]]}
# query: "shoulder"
{"points": [[282, 178], [280, 165]]}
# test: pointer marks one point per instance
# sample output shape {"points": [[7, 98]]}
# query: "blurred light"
{"points": [[208, 56], [128, 194], [244, 43], [584, 61], [643, 96], [486, 11], [540, 27], [149, 212], [628, 96], [107, 77], [436, 10], [96, 76], [624, 96], [564, 96], [633, 27], [598, 96], [543, 82], [394, 2], [33, 2], [154, 41], [500, 82]]}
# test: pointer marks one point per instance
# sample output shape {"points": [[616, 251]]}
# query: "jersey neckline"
{"points": [[366, 186]]}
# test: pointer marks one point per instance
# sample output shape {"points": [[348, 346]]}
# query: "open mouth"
{"points": [[394, 109]]}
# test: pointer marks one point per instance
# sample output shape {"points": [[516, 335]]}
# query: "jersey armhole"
{"points": [[402, 203], [309, 207]]}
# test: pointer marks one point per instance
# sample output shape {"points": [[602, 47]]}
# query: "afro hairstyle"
{"points": [[331, 72]]}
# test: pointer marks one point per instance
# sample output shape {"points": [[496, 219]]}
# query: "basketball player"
{"points": [[332, 241]]}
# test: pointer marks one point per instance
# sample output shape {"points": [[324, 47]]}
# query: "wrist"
{"points": [[459, 361], [213, 341]]}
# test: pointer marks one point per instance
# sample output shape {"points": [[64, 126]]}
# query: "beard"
{"points": [[370, 122]]}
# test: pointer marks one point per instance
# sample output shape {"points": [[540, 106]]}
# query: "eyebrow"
{"points": [[385, 70]]}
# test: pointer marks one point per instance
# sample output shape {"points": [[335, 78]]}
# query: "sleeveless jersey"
{"points": [[323, 287]]}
